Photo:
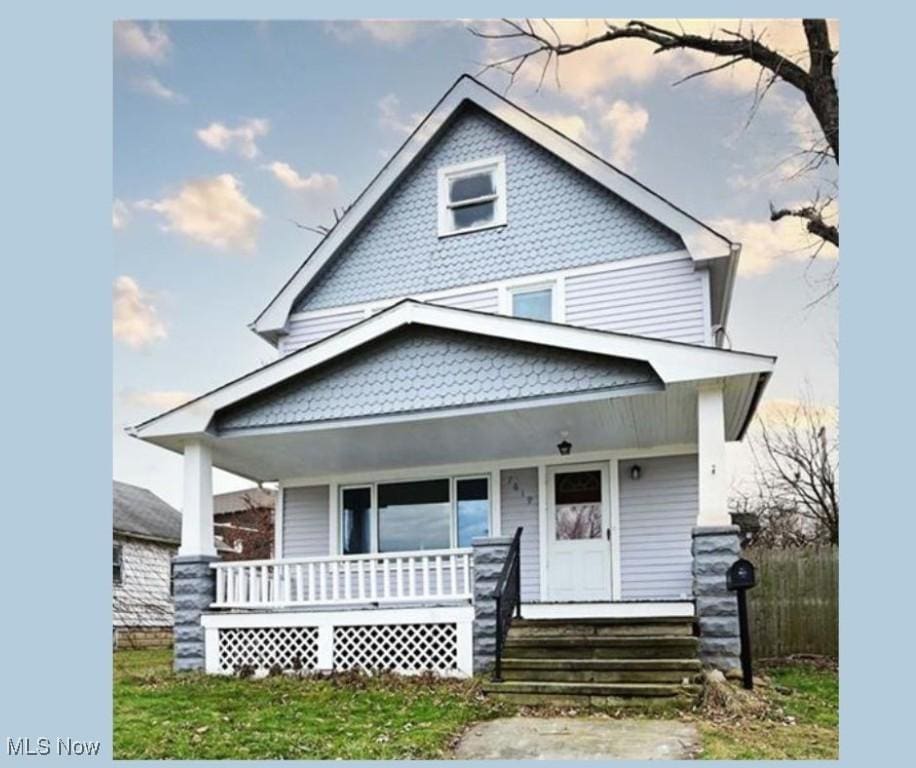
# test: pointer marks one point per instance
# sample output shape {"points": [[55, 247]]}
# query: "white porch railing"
{"points": [[399, 577]]}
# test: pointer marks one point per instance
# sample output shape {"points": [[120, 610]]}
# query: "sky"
{"points": [[226, 134]]}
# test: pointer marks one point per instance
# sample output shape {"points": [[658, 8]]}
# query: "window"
{"points": [[356, 521], [577, 505], [116, 563], [472, 196], [533, 303], [472, 508], [414, 515]]}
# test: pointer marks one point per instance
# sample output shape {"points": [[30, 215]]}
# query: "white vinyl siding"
{"points": [[519, 507], [664, 300], [306, 522], [303, 330], [657, 513], [482, 300]]}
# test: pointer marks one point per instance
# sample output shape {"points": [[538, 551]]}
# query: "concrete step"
{"points": [[601, 647], [588, 694], [640, 627], [673, 671]]}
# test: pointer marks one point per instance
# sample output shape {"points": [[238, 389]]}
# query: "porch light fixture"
{"points": [[635, 472], [564, 446]]}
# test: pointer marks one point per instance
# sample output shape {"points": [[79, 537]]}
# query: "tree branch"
{"points": [[813, 215]]}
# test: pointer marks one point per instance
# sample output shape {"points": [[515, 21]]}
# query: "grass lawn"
{"points": [[161, 715], [803, 722]]}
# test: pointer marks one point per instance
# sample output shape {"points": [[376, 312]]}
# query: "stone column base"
{"points": [[195, 590], [489, 557], [715, 548]]}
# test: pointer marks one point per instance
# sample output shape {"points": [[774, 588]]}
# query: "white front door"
{"points": [[578, 533]]}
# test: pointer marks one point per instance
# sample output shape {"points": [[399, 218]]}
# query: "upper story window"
{"points": [[472, 196], [533, 302]]}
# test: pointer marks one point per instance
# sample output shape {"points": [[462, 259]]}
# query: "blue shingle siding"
{"points": [[419, 368], [557, 219]]}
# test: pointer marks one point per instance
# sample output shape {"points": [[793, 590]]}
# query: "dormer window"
{"points": [[472, 196]]}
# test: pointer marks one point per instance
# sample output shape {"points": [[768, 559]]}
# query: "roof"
{"points": [[673, 362], [239, 501], [703, 243], [140, 512]]}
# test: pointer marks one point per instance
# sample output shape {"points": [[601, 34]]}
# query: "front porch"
{"points": [[410, 446]]}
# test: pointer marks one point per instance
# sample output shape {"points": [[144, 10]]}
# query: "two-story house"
{"points": [[503, 334]]}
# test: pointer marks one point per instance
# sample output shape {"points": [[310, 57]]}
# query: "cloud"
{"points": [[572, 125], [120, 214], [395, 33], [220, 137], [766, 245], [627, 124], [212, 210], [135, 41], [153, 86], [782, 410], [390, 117], [136, 322], [161, 400], [314, 182]]}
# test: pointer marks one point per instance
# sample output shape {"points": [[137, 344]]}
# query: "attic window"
{"points": [[472, 196]]}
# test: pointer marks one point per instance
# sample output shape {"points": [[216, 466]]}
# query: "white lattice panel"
{"points": [[264, 647], [397, 647]]}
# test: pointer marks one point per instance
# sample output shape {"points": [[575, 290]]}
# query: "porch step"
{"points": [[600, 647], [588, 694], [599, 662], [632, 627], [671, 671]]}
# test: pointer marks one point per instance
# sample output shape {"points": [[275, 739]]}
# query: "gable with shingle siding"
{"points": [[420, 368], [557, 219]]}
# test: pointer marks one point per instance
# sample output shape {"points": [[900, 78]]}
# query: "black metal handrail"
{"points": [[508, 599]]}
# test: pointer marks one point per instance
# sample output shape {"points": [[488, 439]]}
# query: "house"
{"points": [[501, 389], [146, 532], [244, 520]]}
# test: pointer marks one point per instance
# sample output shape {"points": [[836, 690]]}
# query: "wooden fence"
{"points": [[795, 606]]}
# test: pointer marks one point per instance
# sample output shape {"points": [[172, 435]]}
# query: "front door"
{"points": [[578, 533]]}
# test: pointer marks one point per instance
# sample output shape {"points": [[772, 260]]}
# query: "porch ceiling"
{"points": [[647, 420]]}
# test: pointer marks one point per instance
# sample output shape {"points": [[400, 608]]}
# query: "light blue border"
{"points": [[56, 192]]}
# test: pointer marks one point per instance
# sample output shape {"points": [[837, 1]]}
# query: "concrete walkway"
{"points": [[567, 738]]}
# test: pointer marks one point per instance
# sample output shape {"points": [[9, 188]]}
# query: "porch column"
{"points": [[490, 555], [715, 540], [713, 478], [194, 580]]}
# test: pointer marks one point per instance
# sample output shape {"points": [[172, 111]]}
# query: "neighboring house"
{"points": [[245, 521], [502, 333], [146, 534]]}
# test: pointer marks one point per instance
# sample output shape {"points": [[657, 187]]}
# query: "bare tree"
{"points": [[797, 476], [814, 79]]}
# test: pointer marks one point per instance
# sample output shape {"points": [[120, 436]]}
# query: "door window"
{"points": [[577, 505]]}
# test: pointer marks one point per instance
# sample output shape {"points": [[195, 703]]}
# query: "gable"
{"points": [[420, 368], [558, 218]]}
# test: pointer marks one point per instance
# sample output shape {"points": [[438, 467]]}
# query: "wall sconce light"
{"points": [[564, 446], [635, 472]]}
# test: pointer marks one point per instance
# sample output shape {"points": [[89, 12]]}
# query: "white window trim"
{"points": [[556, 307], [495, 164], [337, 509]]}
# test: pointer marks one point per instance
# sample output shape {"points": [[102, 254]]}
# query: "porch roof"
{"points": [[405, 374]]}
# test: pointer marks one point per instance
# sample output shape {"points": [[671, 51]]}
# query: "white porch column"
{"points": [[197, 511], [713, 478]]}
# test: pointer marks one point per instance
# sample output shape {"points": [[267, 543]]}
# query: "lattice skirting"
{"points": [[409, 648], [406, 641], [262, 648]]}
